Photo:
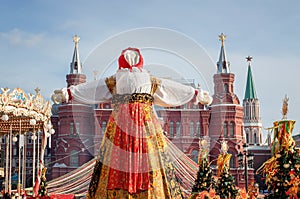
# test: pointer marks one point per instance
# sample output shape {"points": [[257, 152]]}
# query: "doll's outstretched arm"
{"points": [[87, 93]]}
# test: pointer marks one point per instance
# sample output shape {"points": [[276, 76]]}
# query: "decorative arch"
{"points": [[62, 143], [60, 149]]}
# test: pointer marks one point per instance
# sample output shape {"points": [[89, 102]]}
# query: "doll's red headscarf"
{"points": [[123, 63]]}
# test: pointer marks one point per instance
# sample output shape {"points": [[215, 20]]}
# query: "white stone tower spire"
{"points": [[75, 76], [75, 66], [223, 64]]}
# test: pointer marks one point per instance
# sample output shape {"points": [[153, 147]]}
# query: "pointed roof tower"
{"points": [[250, 92], [75, 66], [226, 113], [252, 120], [223, 64], [75, 76]]}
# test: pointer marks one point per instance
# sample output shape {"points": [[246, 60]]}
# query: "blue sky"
{"points": [[36, 40]]}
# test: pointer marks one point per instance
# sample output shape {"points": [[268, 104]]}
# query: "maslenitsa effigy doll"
{"points": [[133, 160]]}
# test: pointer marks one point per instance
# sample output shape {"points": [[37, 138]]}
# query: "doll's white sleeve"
{"points": [[170, 93], [89, 93]]}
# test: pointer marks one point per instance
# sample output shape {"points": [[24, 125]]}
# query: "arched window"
{"points": [[225, 130], [77, 124], [194, 155], [71, 128], [247, 135], [232, 160], [231, 129], [192, 133], [226, 88], [171, 129], [198, 129], [254, 110], [177, 129], [74, 158], [255, 140], [247, 110], [103, 127]]}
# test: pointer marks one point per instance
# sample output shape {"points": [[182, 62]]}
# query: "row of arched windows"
{"points": [[177, 128], [194, 129], [251, 110]]}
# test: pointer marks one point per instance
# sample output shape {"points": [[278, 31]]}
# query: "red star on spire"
{"points": [[249, 59]]}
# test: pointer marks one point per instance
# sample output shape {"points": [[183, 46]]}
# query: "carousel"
{"points": [[24, 117]]}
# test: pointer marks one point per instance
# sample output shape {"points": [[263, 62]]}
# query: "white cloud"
{"points": [[72, 24], [22, 38]]}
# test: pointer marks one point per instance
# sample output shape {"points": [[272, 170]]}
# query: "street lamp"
{"points": [[246, 160]]}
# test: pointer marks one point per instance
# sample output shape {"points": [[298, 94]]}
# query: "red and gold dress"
{"points": [[134, 161]]}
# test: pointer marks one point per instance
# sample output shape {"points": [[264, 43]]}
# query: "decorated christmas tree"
{"points": [[205, 186], [225, 188], [283, 168], [204, 180]]}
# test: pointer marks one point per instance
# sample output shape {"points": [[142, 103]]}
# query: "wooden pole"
{"points": [[10, 160], [6, 162], [24, 161], [19, 172], [38, 150], [33, 159]]}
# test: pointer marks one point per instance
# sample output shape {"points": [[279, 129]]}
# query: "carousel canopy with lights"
{"points": [[21, 113], [19, 110]]}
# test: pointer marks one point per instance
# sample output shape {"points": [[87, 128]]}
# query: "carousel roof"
{"points": [[23, 112]]}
